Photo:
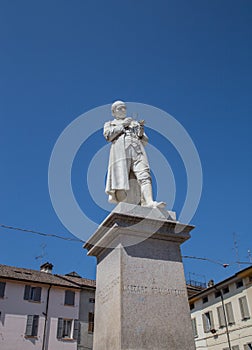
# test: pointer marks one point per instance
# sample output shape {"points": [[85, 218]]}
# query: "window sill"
{"points": [[31, 336], [245, 318], [69, 305], [34, 301], [67, 339]]}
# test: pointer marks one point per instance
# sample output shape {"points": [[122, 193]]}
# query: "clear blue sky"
{"points": [[61, 58]]}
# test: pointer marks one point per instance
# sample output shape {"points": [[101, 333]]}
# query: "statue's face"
{"points": [[120, 111]]}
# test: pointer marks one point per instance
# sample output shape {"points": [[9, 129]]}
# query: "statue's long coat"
{"points": [[118, 177]]}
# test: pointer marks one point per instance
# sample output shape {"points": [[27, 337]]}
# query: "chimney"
{"points": [[210, 283], [46, 267]]}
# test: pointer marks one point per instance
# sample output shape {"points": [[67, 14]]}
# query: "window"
{"points": [[235, 347], [248, 346], [225, 290], [92, 300], [230, 314], [208, 322], [194, 327], [221, 316], [91, 322], [244, 308], [32, 293], [205, 300], [192, 306], [2, 289], [68, 329], [32, 326], [239, 284], [69, 297], [217, 294]]}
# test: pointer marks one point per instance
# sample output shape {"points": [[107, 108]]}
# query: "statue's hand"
{"points": [[142, 122], [126, 122]]}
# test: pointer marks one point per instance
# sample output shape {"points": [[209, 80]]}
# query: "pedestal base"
{"points": [[141, 298]]}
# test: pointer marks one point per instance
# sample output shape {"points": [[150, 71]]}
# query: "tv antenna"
{"points": [[43, 253], [236, 250]]}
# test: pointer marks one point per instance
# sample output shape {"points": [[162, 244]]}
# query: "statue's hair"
{"points": [[115, 104]]}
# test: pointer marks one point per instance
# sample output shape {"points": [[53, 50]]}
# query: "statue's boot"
{"points": [[146, 190]]}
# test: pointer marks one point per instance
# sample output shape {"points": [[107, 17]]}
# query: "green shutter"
{"points": [[69, 297], [29, 324], [37, 294], [35, 325], [2, 289], [27, 292], [76, 329], [60, 328]]}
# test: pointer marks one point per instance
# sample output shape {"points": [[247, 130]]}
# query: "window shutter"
{"points": [[205, 323], [91, 322], [60, 328], [27, 292], [76, 329], [69, 297], [35, 325], [244, 308], [194, 326], [29, 324], [230, 314], [221, 317], [211, 320], [2, 289], [37, 294]]}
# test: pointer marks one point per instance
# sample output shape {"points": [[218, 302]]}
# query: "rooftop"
{"points": [[241, 274], [72, 280]]}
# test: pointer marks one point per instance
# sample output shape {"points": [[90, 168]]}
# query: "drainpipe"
{"points": [[225, 317], [46, 318]]}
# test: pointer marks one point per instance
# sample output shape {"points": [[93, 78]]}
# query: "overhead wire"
{"points": [[81, 241], [42, 233]]}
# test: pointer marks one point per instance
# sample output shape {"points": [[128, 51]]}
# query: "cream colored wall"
{"points": [[14, 310], [240, 333]]}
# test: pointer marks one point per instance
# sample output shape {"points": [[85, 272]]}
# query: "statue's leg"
{"points": [[142, 172], [121, 194]]}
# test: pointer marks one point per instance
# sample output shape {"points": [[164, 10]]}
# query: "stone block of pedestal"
{"points": [[141, 298]]}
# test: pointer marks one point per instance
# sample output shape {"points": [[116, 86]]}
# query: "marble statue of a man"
{"points": [[128, 170]]}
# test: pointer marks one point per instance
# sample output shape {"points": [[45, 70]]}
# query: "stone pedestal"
{"points": [[141, 298]]}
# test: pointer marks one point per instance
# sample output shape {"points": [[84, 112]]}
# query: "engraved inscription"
{"points": [[105, 294], [136, 289], [153, 290]]}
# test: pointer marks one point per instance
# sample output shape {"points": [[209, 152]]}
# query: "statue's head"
{"points": [[118, 110]]}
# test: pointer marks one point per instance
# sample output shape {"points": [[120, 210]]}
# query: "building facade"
{"points": [[39, 310], [222, 314]]}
